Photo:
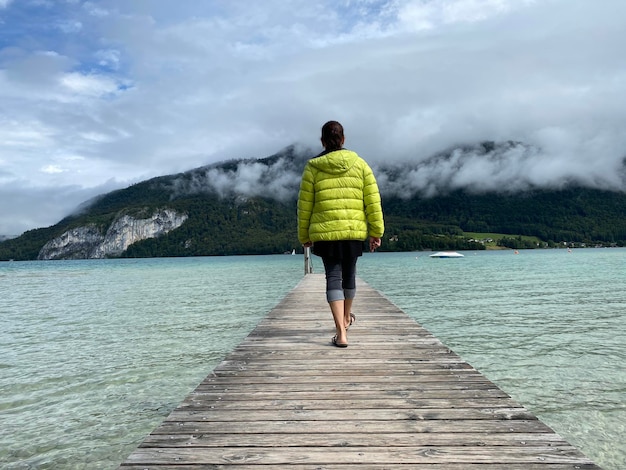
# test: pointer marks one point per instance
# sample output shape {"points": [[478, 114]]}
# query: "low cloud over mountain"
{"points": [[508, 167]]}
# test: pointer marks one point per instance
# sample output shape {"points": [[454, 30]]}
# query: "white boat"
{"points": [[447, 254]]}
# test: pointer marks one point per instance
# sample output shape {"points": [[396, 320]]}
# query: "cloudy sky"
{"points": [[97, 95]]}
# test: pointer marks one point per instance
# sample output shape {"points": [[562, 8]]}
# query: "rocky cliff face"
{"points": [[88, 242]]}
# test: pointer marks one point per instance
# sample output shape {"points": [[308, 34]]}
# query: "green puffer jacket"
{"points": [[339, 199]]}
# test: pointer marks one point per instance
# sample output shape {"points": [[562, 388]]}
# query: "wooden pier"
{"points": [[395, 398]]}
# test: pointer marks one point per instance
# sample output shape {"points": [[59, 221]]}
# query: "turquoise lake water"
{"points": [[94, 354]]}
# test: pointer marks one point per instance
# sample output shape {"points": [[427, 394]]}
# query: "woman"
{"points": [[338, 208]]}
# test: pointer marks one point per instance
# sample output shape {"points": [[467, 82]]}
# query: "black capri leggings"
{"points": [[340, 278]]}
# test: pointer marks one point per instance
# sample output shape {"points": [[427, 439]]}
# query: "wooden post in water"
{"points": [[308, 266]]}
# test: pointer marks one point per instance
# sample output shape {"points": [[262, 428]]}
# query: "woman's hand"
{"points": [[374, 243], [307, 244]]}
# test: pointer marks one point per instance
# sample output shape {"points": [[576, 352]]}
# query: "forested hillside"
{"points": [[228, 216]]}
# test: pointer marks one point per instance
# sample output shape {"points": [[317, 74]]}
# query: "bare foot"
{"points": [[349, 321]]}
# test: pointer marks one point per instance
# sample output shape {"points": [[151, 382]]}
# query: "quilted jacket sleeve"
{"points": [[372, 202], [306, 201]]}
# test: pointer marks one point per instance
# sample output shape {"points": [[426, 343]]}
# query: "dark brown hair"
{"points": [[332, 135]]}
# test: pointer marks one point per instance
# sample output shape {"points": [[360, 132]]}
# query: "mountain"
{"points": [[248, 207]]}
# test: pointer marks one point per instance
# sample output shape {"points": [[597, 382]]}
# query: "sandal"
{"points": [[338, 344], [352, 320]]}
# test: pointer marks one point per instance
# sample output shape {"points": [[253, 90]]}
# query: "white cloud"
{"points": [[109, 58], [93, 10], [425, 15], [88, 85], [70, 26], [23, 206], [52, 169]]}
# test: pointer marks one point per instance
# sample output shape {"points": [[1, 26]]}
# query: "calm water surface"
{"points": [[94, 354]]}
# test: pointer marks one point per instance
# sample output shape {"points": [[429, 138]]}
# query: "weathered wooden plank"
{"points": [[381, 387], [230, 395], [380, 376], [269, 362], [354, 440], [362, 466], [365, 428], [346, 414], [199, 402], [365, 454], [395, 398], [291, 369], [414, 354]]}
